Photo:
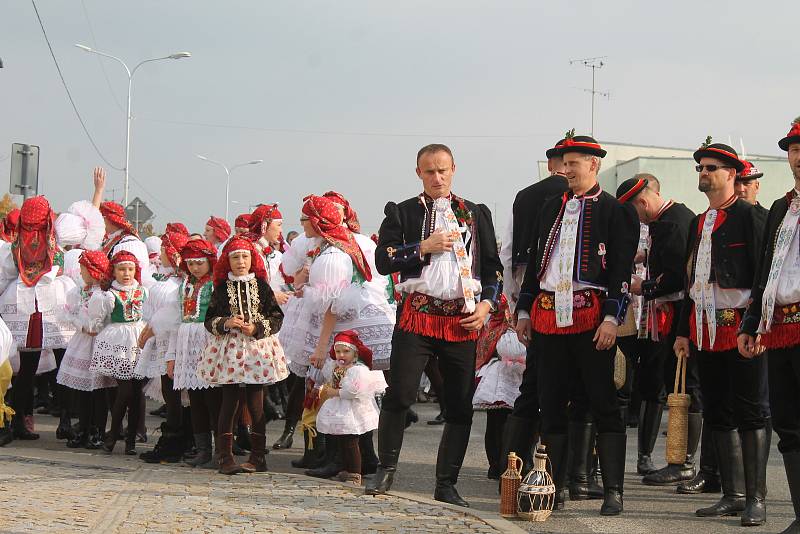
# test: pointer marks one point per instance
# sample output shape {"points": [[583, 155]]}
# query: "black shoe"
{"points": [[731, 469], [331, 465], [94, 440], [64, 430], [19, 430], [649, 424], [130, 447], [411, 417], [670, 475], [438, 420], [287, 438], [611, 449], [452, 448], [161, 411], [754, 453], [78, 440], [141, 437], [312, 458], [390, 441], [167, 448], [703, 482]]}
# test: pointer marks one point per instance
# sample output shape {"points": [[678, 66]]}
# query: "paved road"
{"points": [[80, 491]]}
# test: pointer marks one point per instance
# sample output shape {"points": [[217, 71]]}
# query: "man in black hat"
{"points": [[772, 319], [723, 250], [445, 250], [522, 425], [662, 288], [575, 292]]}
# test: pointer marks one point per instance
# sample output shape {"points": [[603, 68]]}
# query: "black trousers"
{"points": [[576, 381], [527, 404], [410, 355], [732, 388], [784, 396]]}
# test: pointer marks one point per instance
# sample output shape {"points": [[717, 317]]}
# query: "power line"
{"points": [[99, 59], [69, 95]]}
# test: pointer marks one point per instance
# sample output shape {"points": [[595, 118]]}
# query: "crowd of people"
{"points": [[332, 331]]}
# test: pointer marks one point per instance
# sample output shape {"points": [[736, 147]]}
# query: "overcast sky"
{"points": [[341, 95]]}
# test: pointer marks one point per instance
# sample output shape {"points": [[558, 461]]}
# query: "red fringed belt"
{"points": [[665, 315], [585, 313], [785, 330], [437, 318], [728, 320]]}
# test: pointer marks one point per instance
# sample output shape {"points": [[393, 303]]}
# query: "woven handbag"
{"points": [[678, 424]]}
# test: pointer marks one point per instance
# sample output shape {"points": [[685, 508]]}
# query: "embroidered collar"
{"points": [[244, 278], [119, 287], [593, 192]]}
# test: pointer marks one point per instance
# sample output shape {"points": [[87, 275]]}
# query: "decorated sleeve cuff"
{"points": [[649, 287], [405, 256], [522, 314], [749, 324], [218, 326], [524, 304]]}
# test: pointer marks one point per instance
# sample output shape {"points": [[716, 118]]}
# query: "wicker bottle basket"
{"points": [[678, 424]]}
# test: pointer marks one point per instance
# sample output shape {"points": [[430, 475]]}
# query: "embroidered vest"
{"points": [[127, 305], [195, 299]]}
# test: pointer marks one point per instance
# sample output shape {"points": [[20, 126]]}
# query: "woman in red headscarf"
{"points": [[266, 227], [244, 319], [33, 295], [217, 231], [116, 347], [341, 294], [9, 225]]}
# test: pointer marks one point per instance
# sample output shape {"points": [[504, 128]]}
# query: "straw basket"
{"points": [[678, 424], [620, 369]]}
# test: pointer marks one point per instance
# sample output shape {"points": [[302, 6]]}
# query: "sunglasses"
{"points": [[711, 168]]}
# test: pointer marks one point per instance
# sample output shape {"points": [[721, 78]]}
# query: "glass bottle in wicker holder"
{"points": [[509, 484], [537, 492]]}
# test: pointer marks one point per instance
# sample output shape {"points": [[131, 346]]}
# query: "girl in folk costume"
{"points": [[243, 317], [198, 258], [241, 225], [161, 312], [217, 232], [341, 294], [33, 291], [349, 409], [266, 225], [88, 386], [500, 362], [153, 244], [116, 347]]}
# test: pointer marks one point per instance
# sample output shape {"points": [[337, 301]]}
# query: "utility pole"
{"points": [[593, 63]]}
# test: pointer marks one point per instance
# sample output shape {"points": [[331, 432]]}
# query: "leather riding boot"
{"points": [[257, 463], [518, 436], [556, 448], [791, 462], [675, 473], [611, 449], [707, 478], [649, 425], [755, 454], [731, 470], [452, 449], [227, 466], [287, 438], [581, 442], [390, 440], [202, 441]]}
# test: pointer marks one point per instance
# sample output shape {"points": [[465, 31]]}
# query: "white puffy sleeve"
{"points": [[101, 304], [161, 311], [8, 269], [330, 273], [294, 258], [73, 311], [360, 383]]}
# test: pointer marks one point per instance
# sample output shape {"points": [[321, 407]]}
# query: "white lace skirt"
{"points": [[192, 341], [116, 350], [239, 359], [339, 416], [74, 372], [151, 362]]}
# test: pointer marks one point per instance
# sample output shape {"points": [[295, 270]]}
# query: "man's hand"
{"points": [[606, 335], [475, 321], [171, 369], [749, 346], [636, 285], [439, 241], [282, 297], [234, 322], [523, 330], [681, 347], [317, 359]]}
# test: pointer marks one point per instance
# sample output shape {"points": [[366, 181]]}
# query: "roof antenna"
{"points": [[593, 63]]}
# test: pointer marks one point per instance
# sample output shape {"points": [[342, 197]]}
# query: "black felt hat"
{"points": [[792, 137], [749, 173], [555, 151], [719, 151], [631, 187], [582, 144]]}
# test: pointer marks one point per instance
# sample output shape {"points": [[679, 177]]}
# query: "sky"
{"points": [[341, 95]]}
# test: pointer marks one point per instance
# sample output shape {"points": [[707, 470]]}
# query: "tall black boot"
{"points": [[390, 440], [731, 471], [556, 448], [611, 449], [369, 461], [707, 478], [332, 463], [791, 462], [649, 425], [675, 473], [581, 442], [518, 437], [305, 461], [287, 438], [755, 454], [452, 449]]}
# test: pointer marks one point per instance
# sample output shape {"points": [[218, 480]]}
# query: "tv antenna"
{"points": [[593, 63]]}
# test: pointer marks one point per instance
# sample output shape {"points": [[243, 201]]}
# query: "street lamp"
{"points": [[177, 55], [228, 171]]}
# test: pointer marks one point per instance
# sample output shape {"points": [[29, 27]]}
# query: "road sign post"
{"points": [[24, 170]]}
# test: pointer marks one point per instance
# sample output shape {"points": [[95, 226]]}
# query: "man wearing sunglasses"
{"points": [[723, 251], [772, 320]]}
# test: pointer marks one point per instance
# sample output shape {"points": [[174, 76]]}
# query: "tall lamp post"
{"points": [[131, 72], [228, 171]]}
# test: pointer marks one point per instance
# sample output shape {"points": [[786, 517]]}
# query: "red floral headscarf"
{"points": [[35, 247], [123, 256], [96, 262], [350, 215], [115, 213], [178, 228], [223, 265], [197, 249], [9, 226], [243, 221], [327, 221], [172, 243], [262, 218], [350, 339], [222, 230]]}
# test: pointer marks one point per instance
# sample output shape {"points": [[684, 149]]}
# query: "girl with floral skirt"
{"points": [[116, 347], [244, 353], [198, 258], [89, 387], [161, 312], [349, 409]]}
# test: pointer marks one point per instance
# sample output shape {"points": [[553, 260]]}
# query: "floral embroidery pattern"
{"points": [[788, 314], [580, 300], [422, 303]]}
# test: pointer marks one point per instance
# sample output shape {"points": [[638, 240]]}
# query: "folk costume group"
{"points": [[341, 327]]}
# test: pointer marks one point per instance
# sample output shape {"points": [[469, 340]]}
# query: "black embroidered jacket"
{"points": [[405, 226], [231, 298], [608, 236], [527, 206], [668, 237]]}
